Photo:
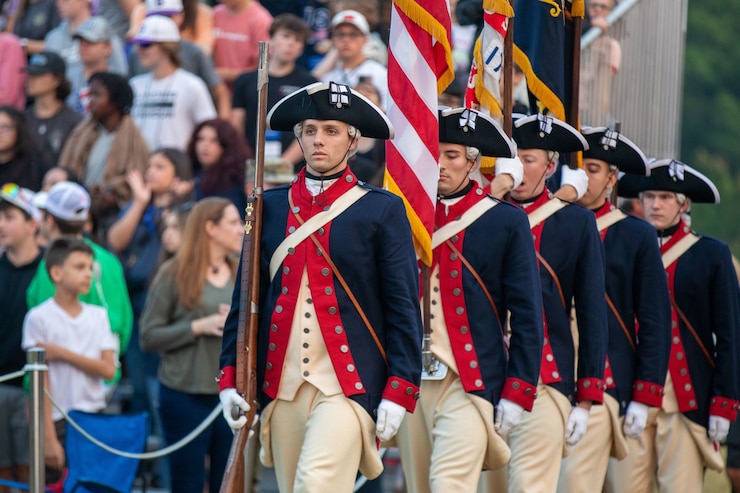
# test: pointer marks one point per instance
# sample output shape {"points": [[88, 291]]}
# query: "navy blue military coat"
{"points": [[371, 245]]}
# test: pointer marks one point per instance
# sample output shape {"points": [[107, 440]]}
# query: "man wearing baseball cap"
{"points": [[349, 33], [65, 213], [94, 37], [168, 101], [18, 264]]}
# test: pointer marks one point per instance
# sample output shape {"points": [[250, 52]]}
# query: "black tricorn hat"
{"points": [[671, 176], [330, 101], [546, 132], [474, 129], [614, 148]]}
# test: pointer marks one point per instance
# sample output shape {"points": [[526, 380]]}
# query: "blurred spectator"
{"points": [[172, 228], [17, 162], [375, 48], [106, 146], [599, 65], [65, 213], [18, 228], [350, 32], [183, 320], [368, 161], [135, 237], [31, 21], [80, 348], [463, 41], [238, 26], [168, 101], [193, 58], [50, 120], [55, 175], [288, 35], [454, 94], [219, 153], [12, 72], [117, 13], [194, 18], [94, 37], [61, 39]]}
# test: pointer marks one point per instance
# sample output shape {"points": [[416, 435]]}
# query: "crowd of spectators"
{"points": [[130, 126]]}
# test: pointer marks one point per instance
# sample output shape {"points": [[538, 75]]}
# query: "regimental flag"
{"points": [[543, 49], [488, 59], [419, 69], [483, 91]]}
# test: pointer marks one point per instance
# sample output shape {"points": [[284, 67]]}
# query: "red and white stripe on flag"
{"points": [[419, 68]]}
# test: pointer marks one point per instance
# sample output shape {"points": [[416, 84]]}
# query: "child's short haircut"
{"points": [[61, 248], [292, 23]]}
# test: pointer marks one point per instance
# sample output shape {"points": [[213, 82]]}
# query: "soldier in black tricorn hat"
{"points": [[484, 267], [637, 295], [339, 340], [701, 393]]}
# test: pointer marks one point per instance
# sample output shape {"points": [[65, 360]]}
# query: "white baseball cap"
{"points": [[163, 7], [353, 18], [157, 29], [68, 201]]}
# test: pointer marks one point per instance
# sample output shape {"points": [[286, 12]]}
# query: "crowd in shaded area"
{"points": [[131, 127]]}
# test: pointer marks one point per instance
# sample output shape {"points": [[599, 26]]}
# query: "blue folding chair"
{"points": [[95, 470]]}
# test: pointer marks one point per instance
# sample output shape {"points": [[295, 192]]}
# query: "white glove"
{"points": [[635, 419], [718, 428], [575, 430], [512, 167], [576, 178], [230, 398], [508, 415], [390, 416]]}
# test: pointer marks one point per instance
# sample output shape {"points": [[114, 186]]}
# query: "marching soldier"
{"points": [[637, 295], [701, 386], [339, 341], [571, 266], [483, 265]]}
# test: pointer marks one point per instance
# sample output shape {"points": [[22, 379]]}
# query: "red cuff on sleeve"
{"points": [[648, 393], [402, 392], [226, 378], [723, 407], [519, 391], [590, 389]]}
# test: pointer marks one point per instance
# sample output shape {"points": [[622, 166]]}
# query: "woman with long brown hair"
{"points": [[183, 320]]}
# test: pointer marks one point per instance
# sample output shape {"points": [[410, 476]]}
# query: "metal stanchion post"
{"points": [[35, 367]]}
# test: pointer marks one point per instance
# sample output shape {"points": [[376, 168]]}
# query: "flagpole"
{"points": [[573, 117]]}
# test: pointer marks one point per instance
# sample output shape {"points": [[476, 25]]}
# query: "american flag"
{"points": [[419, 68]]}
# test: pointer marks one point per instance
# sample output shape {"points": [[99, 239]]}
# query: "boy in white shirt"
{"points": [[78, 342]]}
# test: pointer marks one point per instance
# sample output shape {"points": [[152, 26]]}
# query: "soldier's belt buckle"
{"points": [[438, 375]]}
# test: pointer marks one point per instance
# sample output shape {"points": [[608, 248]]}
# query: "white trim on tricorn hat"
{"points": [[614, 148], [548, 133], [472, 128], [330, 101], [670, 175]]}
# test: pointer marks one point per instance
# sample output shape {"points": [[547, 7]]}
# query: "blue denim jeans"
{"points": [[181, 413]]}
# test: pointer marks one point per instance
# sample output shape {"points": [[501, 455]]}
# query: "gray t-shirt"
{"points": [[112, 11], [194, 60], [95, 168]]}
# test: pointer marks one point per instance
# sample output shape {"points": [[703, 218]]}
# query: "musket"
{"points": [[246, 341]]}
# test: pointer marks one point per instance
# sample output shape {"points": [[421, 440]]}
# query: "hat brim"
{"points": [[663, 177], [485, 134], [559, 137], [622, 152], [313, 102]]}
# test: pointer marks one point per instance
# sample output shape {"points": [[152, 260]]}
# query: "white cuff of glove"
{"points": [[575, 430], [576, 178], [635, 419], [512, 167], [230, 398], [390, 417], [718, 428], [508, 415]]}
